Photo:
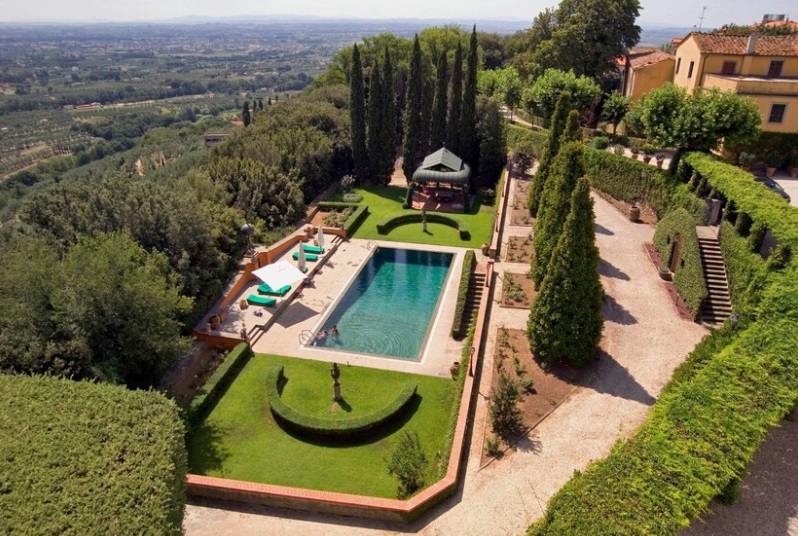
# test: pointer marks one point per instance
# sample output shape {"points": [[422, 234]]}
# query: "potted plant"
{"points": [[664, 272], [660, 159], [793, 169], [635, 153], [746, 161], [618, 149], [648, 152], [773, 161]]}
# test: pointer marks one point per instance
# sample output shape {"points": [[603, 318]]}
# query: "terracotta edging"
{"points": [[500, 210], [360, 505]]}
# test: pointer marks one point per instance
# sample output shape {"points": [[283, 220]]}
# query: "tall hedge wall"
{"points": [[709, 420], [469, 261], [83, 458], [743, 267], [689, 276]]}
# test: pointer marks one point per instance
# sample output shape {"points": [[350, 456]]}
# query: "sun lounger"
{"points": [[266, 289], [312, 249], [308, 257], [254, 299]]}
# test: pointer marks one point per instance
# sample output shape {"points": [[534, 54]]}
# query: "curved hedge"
{"points": [[469, 261], [689, 276], [709, 420], [210, 393], [82, 458], [385, 226], [321, 426]]}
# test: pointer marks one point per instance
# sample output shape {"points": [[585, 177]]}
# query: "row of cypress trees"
{"points": [[453, 119], [566, 319]]}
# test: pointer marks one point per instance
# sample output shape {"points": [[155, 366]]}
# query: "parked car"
{"points": [[773, 185]]}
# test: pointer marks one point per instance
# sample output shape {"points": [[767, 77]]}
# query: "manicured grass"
{"points": [[386, 201], [241, 440]]}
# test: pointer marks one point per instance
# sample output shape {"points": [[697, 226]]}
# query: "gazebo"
{"points": [[441, 182]]}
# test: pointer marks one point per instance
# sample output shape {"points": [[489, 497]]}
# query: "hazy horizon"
{"points": [[678, 13]]}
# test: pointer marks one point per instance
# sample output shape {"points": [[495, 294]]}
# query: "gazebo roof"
{"points": [[443, 166]]}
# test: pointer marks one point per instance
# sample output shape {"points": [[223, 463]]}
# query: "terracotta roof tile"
{"points": [[643, 60], [766, 45]]}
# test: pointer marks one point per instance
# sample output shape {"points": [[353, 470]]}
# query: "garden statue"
{"points": [[335, 372], [423, 220]]}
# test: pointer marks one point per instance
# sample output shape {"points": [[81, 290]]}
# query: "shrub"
{"points": [[519, 137], [459, 328], [688, 276], [505, 417], [352, 197], [601, 143], [210, 393], [618, 150], [348, 182], [321, 426], [492, 445], [408, 464], [84, 458]]}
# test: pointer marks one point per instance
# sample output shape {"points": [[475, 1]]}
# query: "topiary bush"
{"points": [[688, 276], [85, 458], [320, 426], [458, 327]]}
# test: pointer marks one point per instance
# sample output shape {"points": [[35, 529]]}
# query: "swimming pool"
{"points": [[388, 308]]}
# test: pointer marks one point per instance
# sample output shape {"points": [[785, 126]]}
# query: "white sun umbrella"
{"points": [[279, 274], [301, 259], [320, 237]]}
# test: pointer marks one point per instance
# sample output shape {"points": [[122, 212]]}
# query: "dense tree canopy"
{"points": [[698, 121], [583, 36], [541, 98], [357, 114]]}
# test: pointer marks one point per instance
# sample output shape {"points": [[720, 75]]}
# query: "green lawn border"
{"points": [[210, 393], [326, 427]]}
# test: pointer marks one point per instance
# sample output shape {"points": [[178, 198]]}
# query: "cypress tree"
{"points": [[549, 152], [245, 115], [413, 106], [573, 128], [566, 319], [375, 121], [469, 146], [455, 102], [357, 113], [439, 106], [260, 104], [388, 146], [568, 167]]}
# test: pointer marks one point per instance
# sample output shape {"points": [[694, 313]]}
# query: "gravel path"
{"points": [[644, 340]]}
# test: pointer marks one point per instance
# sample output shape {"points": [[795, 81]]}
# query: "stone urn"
{"points": [[634, 213]]}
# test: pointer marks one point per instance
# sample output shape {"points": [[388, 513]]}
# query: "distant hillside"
{"points": [[656, 35]]}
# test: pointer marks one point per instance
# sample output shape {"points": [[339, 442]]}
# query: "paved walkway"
{"points": [[644, 340]]}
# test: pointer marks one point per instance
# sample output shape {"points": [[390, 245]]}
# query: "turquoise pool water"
{"points": [[388, 308]]}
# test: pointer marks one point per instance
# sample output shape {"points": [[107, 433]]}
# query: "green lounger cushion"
{"points": [[312, 249], [254, 299], [266, 289], [308, 257]]}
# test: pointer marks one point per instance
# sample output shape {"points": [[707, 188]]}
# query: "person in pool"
{"points": [[334, 331], [321, 336]]}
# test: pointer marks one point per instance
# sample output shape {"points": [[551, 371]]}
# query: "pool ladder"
{"points": [[372, 245], [306, 337]]}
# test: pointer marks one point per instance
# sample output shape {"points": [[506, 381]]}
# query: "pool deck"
{"points": [[304, 309]]}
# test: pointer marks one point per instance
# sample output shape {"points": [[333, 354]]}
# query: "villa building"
{"points": [[644, 69], [764, 68]]}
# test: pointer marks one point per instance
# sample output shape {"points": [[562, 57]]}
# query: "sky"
{"points": [[684, 13]]}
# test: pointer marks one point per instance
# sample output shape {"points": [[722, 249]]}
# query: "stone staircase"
{"points": [[473, 298], [717, 306]]}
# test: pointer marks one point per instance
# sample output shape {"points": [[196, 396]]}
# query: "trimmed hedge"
{"points": [[210, 393], [689, 276], [469, 261], [536, 139], [353, 221], [385, 226], [84, 458], [320, 426], [709, 420], [742, 267]]}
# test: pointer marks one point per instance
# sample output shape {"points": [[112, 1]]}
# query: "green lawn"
{"points": [[241, 440], [385, 201]]}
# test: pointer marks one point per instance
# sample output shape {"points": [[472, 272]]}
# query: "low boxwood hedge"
{"points": [[320, 426], [210, 393], [689, 276], [353, 221], [385, 226], [469, 261], [81, 458]]}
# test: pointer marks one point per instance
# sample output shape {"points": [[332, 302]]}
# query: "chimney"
{"points": [[751, 43]]}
